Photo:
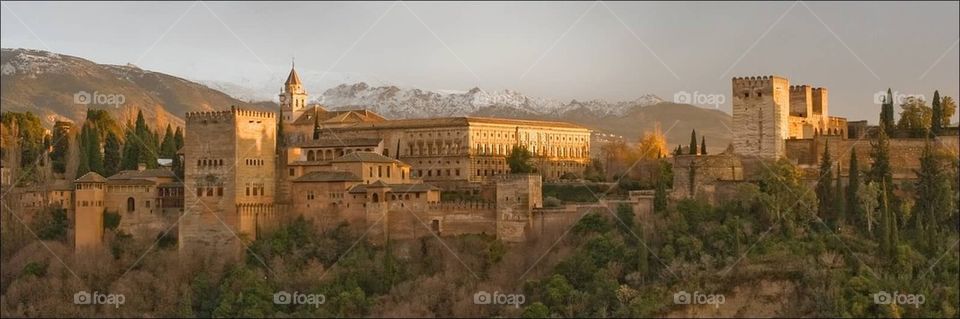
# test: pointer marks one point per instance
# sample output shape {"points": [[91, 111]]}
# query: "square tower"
{"points": [[230, 169], [761, 115]]}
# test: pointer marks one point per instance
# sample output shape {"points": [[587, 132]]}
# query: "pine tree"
{"points": [[693, 142], [936, 120], [854, 209], [703, 145], [824, 184], [111, 155]]}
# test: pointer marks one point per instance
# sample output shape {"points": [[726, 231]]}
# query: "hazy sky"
{"points": [[563, 50]]}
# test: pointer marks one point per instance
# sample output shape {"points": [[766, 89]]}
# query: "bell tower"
{"points": [[293, 99]]}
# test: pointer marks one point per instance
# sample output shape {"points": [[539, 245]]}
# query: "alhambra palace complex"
{"points": [[246, 172]]}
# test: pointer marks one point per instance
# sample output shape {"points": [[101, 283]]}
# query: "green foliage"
{"points": [[536, 310], [886, 113], [591, 223], [520, 160], [854, 209], [31, 138], [244, 293], [693, 142], [703, 145], [52, 224], [594, 172], [61, 146], [111, 155], [825, 198], [660, 192], [111, 220], [936, 114], [915, 118], [577, 192], [168, 148], [36, 269]]}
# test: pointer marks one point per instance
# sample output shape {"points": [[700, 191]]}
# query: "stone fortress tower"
{"points": [[761, 110], [230, 176]]}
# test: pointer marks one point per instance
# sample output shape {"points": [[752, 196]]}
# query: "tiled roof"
{"points": [[368, 157], [340, 142], [153, 172], [334, 176], [91, 177], [129, 182], [396, 188]]}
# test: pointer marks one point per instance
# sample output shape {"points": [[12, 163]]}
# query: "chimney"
{"points": [[141, 167]]}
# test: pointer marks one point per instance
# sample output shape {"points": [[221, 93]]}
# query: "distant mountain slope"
{"points": [[627, 118], [54, 86], [46, 83]]}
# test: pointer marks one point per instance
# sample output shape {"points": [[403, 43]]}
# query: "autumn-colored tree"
{"points": [[653, 144], [915, 117]]}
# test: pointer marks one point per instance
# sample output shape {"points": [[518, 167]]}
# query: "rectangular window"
{"points": [[209, 191], [199, 192], [219, 191], [248, 191], [291, 172], [457, 171]]}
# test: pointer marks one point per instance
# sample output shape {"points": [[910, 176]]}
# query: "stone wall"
{"points": [[761, 109]]}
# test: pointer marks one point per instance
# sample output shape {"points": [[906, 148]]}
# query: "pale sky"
{"points": [[561, 50]]}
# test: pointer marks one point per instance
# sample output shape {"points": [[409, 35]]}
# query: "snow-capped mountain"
{"points": [[394, 102]]}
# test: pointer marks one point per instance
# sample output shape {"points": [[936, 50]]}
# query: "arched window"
{"points": [[131, 205], [311, 156], [376, 198]]}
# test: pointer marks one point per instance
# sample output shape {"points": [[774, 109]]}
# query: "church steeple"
{"points": [[293, 98]]}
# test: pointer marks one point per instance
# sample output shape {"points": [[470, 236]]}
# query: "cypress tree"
{"points": [[840, 205], [111, 154], [824, 182], [936, 121], [168, 147], [84, 158], [880, 171], [853, 187], [886, 112], [61, 146], [131, 149], [703, 145], [693, 142], [660, 194], [178, 138], [94, 153]]}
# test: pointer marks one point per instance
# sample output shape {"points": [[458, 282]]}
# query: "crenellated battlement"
{"points": [[764, 81], [233, 112], [462, 206]]}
